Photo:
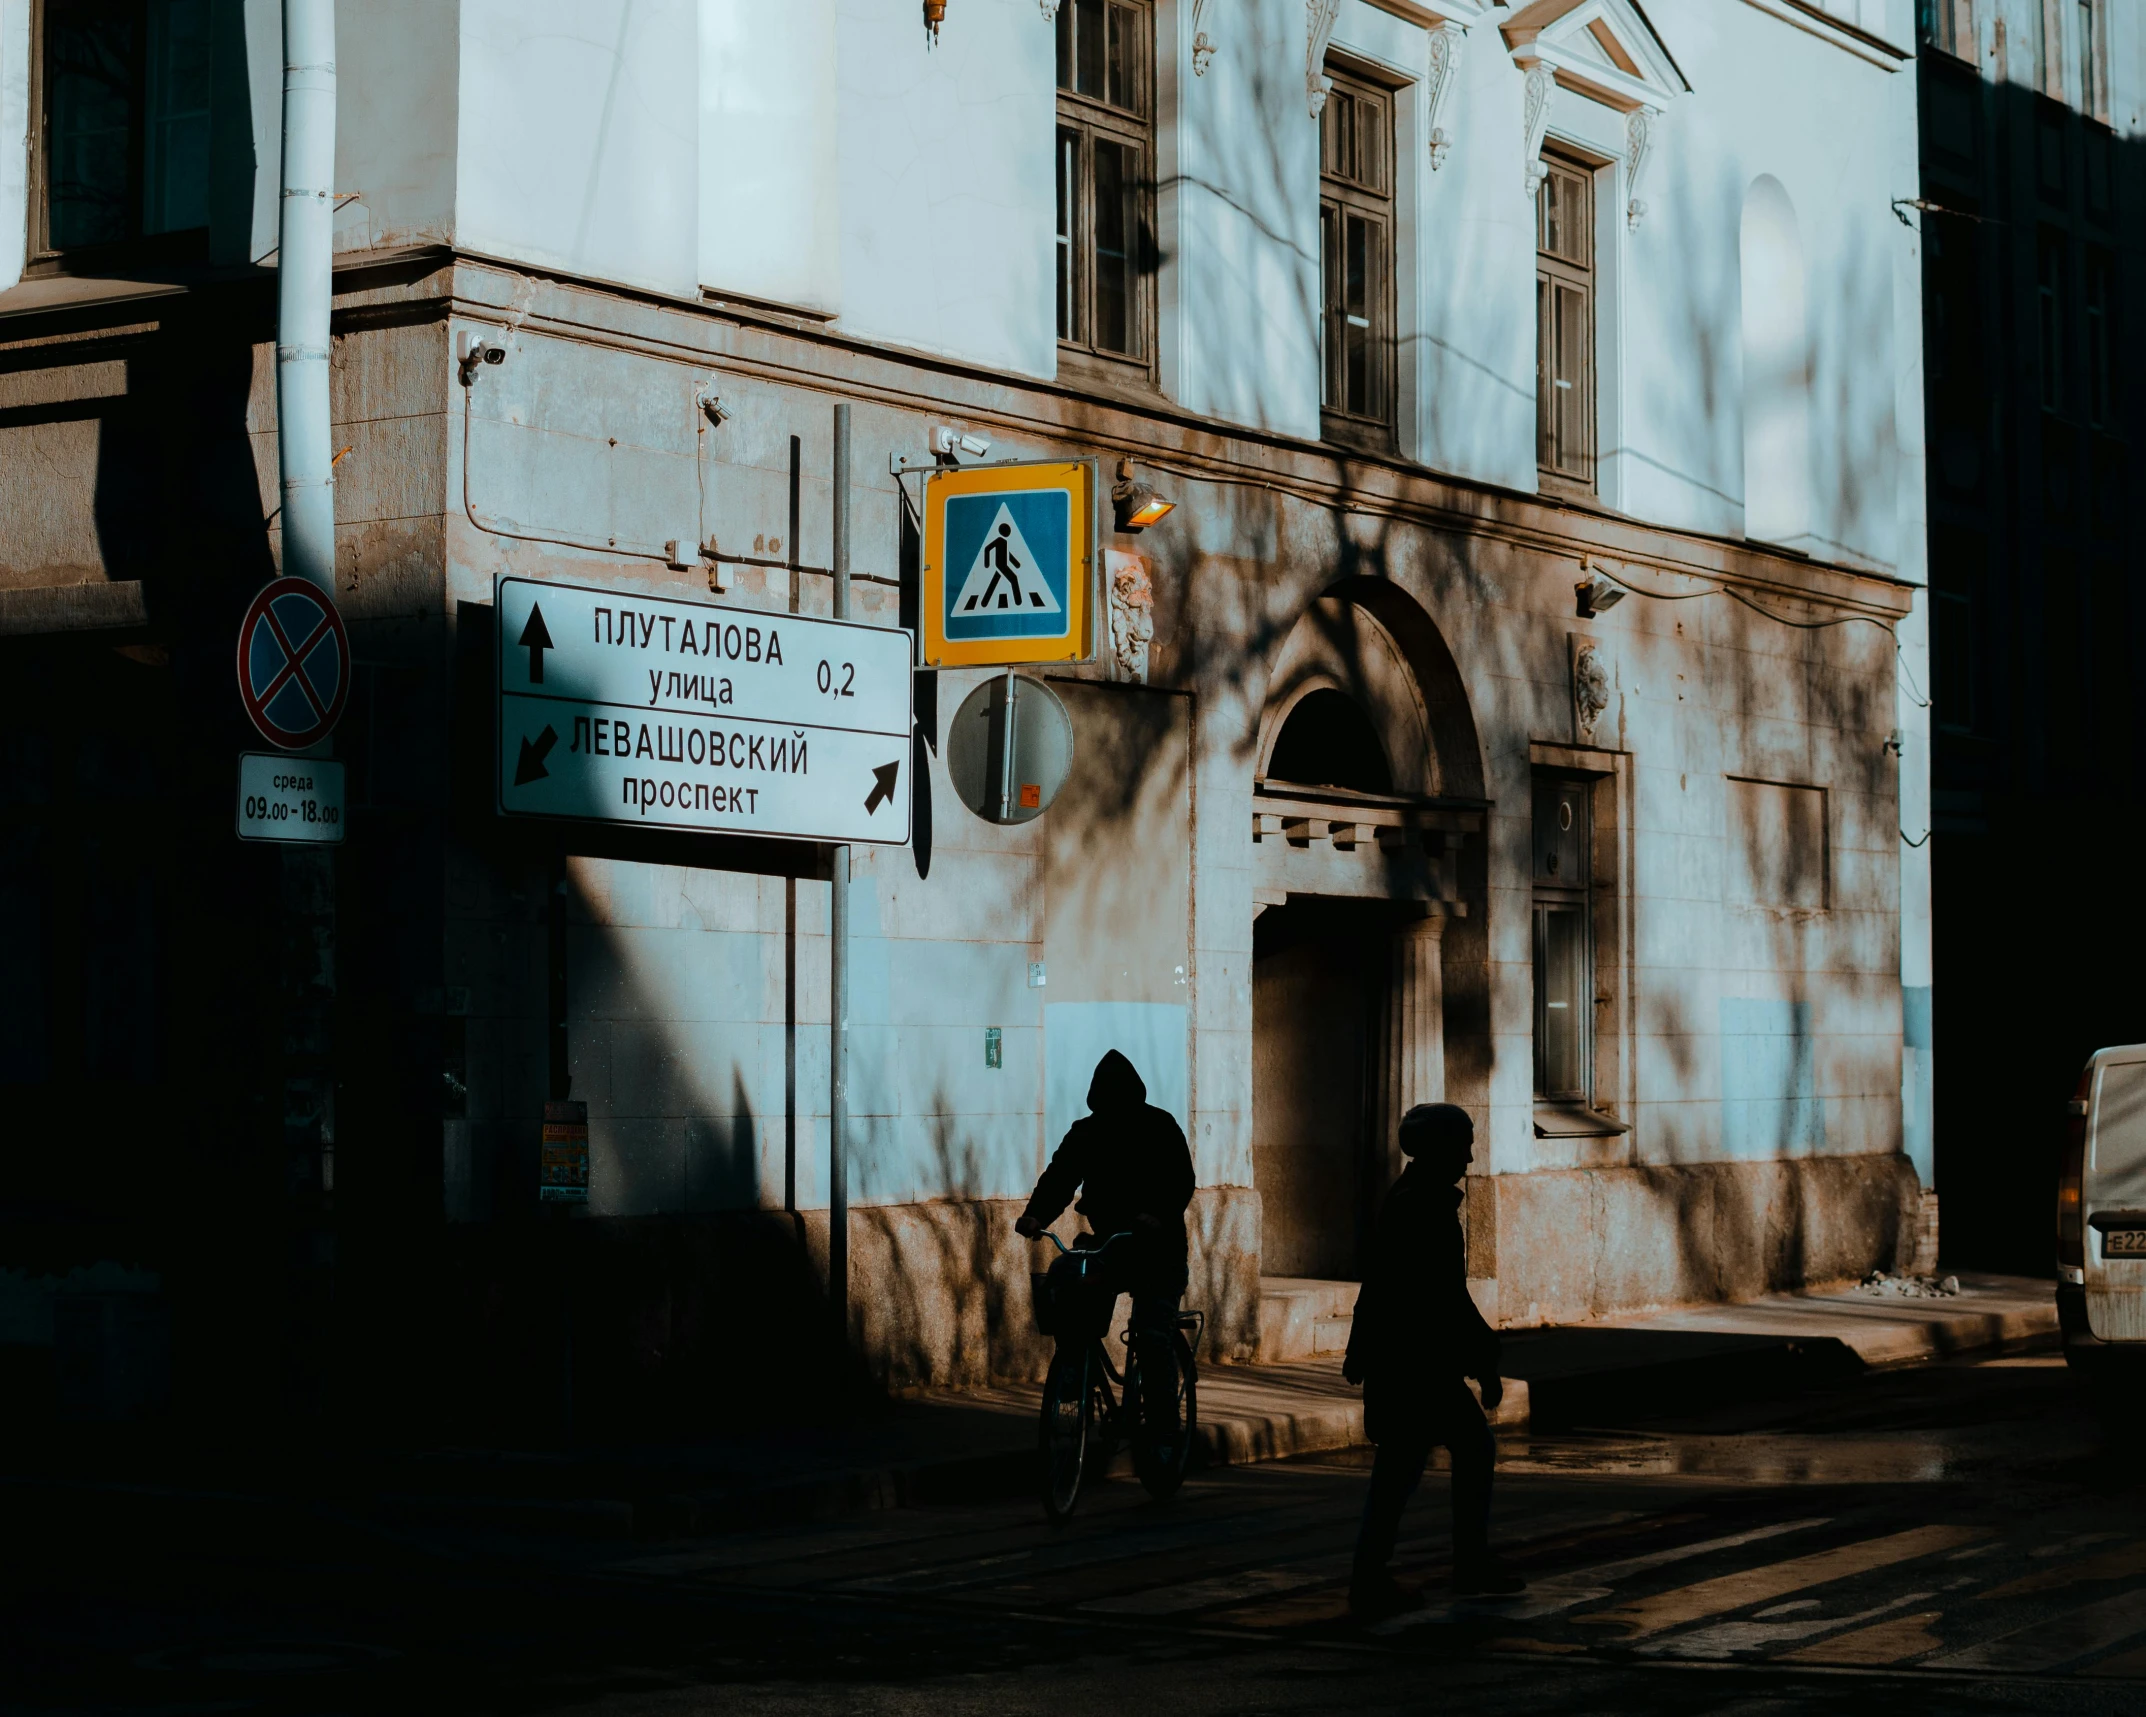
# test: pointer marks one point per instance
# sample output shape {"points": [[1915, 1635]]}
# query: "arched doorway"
{"points": [[1356, 842]]}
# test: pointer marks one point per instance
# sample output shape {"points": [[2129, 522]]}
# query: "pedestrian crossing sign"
{"points": [[1009, 564]]}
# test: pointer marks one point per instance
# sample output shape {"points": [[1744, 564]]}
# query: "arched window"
{"points": [[1328, 741], [1777, 385]]}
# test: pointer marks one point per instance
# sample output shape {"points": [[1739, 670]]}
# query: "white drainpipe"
{"points": [[303, 285]]}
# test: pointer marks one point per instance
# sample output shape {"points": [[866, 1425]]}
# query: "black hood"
{"points": [[1115, 1087]]}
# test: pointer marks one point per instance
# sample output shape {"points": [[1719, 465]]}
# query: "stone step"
{"points": [[1300, 1317]]}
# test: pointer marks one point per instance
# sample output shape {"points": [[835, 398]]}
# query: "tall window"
{"points": [[2045, 44], [1106, 178], [1356, 255], [2049, 314], [2093, 99], [1949, 25], [124, 138], [1564, 941], [1565, 323], [2100, 337]]}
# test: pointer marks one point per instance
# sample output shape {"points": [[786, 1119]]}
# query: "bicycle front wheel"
{"points": [[1062, 1436], [1169, 1414]]}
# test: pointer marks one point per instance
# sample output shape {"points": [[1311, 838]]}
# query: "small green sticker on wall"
{"points": [[992, 1056]]}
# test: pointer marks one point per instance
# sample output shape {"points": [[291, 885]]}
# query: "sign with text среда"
{"points": [[286, 798], [619, 707], [1009, 564]]}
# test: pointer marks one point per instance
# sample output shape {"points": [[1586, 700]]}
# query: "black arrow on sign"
{"points": [[530, 765], [882, 784], [538, 641]]}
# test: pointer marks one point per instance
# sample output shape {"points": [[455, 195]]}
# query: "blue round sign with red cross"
{"points": [[293, 663]]}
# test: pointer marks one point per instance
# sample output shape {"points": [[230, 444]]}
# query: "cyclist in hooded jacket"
{"points": [[1131, 1165]]}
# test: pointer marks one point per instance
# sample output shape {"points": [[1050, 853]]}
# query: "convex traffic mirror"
{"points": [[1009, 749]]}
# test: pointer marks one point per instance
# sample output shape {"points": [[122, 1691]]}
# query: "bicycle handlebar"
{"points": [[1087, 1251]]}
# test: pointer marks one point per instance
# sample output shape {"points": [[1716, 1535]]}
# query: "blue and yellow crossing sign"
{"points": [[1010, 555]]}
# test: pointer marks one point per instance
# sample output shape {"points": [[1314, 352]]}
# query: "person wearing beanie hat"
{"points": [[1417, 1337]]}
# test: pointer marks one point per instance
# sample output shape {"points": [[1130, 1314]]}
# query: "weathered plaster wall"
{"points": [[578, 144], [946, 173]]}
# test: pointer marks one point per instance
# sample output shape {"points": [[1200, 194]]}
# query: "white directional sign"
{"points": [[285, 798], [645, 710]]}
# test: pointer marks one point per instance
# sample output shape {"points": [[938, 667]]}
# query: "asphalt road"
{"points": [[1955, 1539]]}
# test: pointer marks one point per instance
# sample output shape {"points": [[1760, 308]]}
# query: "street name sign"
{"points": [[1009, 564], [293, 663], [284, 798], [657, 713]]}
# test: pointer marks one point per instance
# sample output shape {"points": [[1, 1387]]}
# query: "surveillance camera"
{"points": [[946, 442], [472, 349]]}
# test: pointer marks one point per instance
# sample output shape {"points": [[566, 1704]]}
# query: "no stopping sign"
{"points": [[293, 663]]}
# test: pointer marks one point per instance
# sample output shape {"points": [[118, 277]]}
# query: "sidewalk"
{"points": [[979, 1445], [1671, 1361]]}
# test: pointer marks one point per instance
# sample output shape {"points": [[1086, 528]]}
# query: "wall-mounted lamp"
{"points": [[1133, 504], [1596, 595]]}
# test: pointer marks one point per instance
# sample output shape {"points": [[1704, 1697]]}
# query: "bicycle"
{"points": [[1082, 1421]]}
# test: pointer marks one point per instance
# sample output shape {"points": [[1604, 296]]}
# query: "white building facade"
{"points": [[1523, 705]]}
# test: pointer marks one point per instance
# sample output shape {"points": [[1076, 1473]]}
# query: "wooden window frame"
{"points": [[2052, 356], [1083, 122], [1348, 194], [1558, 467], [2099, 298], [1564, 897], [1949, 27], [41, 256], [2091, 18]]}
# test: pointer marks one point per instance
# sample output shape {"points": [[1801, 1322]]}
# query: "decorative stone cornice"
{"points": [[1603, 49], [1638, 144], [1445, 48], [1535, 119], [1606, 51], [1319, 16]]}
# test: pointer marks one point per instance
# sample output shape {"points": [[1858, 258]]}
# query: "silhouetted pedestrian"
{"points": [[1416, 1338], [1133, 1169]]}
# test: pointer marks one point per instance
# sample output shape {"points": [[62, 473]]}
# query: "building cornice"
{"points": [[1194, 448], [1847, 37], [425, 283]]}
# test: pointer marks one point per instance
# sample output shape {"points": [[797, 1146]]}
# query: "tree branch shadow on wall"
{"points": [[1223, 618]]}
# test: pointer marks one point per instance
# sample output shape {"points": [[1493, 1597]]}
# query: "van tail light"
{"points": [[2071, 1176]]}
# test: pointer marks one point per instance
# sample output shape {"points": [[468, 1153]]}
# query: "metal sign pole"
{"points": [[838, 978]]}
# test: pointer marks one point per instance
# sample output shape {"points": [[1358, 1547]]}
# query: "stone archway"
{"points": [[1366, 787]]}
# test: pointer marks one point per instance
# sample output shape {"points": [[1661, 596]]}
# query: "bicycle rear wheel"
{"points": [[1169, 1413], [1062, 1435]]}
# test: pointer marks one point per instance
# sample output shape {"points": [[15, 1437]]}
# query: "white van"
{"points": [[2101, 1215]]}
